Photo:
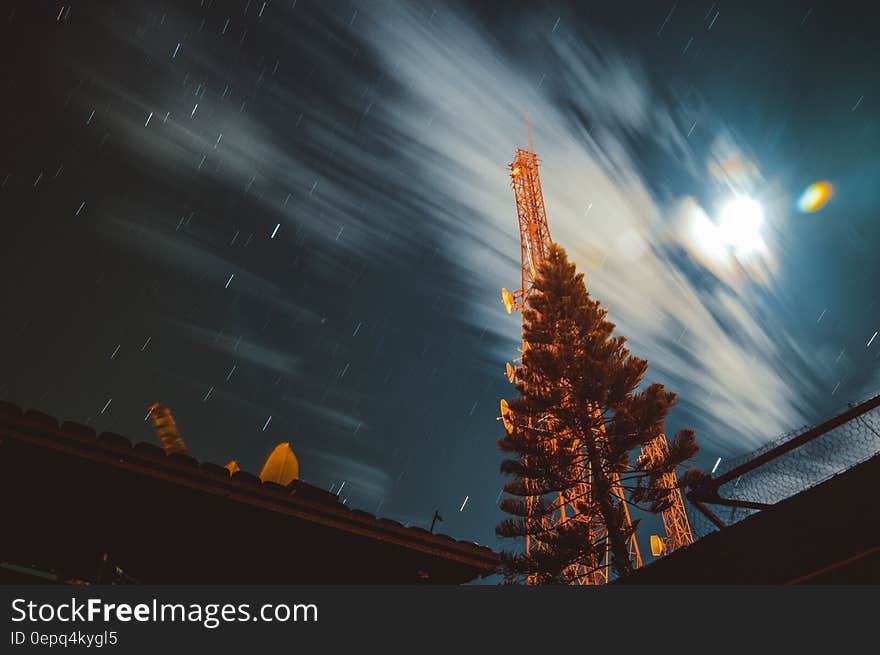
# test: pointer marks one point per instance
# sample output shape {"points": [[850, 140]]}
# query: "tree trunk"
{"points": [[601, 487]]}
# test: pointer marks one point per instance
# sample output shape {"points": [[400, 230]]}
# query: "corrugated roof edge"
{"points": [[39, 424]]}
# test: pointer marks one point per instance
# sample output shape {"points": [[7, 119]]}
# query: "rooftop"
{"points": [[827, 534], [70, 495]]}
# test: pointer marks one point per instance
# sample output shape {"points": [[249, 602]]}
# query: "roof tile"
{"points": [[215, 470], [114, 439], [44, 420], [186, 460], [78, 429], [150, 450], [9, 409], [246, 478]]}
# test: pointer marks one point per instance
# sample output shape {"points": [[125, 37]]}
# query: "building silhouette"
{"points": [[76, 506]]}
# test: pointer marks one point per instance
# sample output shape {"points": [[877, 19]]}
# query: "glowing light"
{"points": [[657, 545], [815, 197], [734, 235], [506, 416], [281, 467], [508, 300], [740, 224]]}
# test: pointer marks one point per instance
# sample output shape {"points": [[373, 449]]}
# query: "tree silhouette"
{"points": [[571, 434]]}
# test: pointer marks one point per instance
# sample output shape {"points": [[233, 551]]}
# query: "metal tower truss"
{"points": [[675, 518], [535, 244], [533, 229]]}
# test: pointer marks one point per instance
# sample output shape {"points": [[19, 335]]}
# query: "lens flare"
{"points": [[815, 197]]}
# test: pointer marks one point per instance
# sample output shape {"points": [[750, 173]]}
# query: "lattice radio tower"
{"points": [[535, 241]]}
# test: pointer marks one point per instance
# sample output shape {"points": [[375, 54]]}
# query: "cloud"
{"points": [[331, 415], [442, 104], [362, 479], [302, 158], [242, 350], [188, 252], [704, 328]]}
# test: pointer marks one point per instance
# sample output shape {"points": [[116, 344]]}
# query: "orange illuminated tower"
{"points": [[534, 232], [535, 242], [166, 427], [675, 518]]}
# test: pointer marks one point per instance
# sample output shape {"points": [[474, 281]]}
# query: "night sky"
{"points": [[290, 221]]}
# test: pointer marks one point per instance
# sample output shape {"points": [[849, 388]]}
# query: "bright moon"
{"points": [[737, 231], [740, 225]]}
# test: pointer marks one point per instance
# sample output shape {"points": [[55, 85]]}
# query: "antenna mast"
{"points": [[535, 242], [166, 428]]}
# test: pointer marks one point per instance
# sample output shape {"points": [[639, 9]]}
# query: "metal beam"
{"points": [[709, 514], [732, 502]]}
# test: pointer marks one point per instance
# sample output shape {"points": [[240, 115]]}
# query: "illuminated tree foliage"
{"points": [[574, 436]]}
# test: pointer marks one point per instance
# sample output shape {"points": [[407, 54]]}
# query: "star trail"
{"points": [[290, 221]]}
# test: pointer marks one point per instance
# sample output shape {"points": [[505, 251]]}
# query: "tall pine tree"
{"points": [[574, 434]]}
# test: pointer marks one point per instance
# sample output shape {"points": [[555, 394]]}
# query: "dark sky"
{"points": [[289, 221]]}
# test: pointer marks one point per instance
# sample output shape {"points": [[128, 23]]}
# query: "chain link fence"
{"points": [[828, 449]]}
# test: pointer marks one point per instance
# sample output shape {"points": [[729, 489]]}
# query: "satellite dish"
{"points": [[232, 467], [511, 372], [657, 546], [281, 467], [508, 300], [506, 416]]}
